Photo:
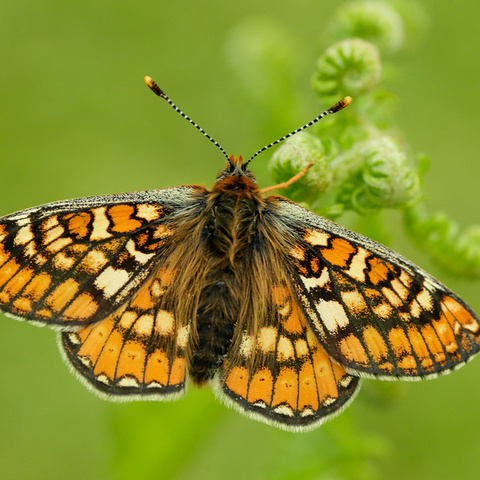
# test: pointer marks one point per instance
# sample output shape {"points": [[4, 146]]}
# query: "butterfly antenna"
{"points": [[158, 91], [336, 108]]}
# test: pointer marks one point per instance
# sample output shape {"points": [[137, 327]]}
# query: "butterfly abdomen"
{"points": [[215, 325]]}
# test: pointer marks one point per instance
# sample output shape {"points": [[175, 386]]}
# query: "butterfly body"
{"points": [[233, 243], [281, 310]]}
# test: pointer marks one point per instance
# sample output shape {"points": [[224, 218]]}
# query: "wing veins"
{"points": [[419, 330], [350, 323]]}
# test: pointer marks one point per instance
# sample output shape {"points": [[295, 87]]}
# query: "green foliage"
{"points": [[294, 155], [457, 250], [364, 167]]}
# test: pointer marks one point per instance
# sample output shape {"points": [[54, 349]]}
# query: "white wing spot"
{"points": [[73, 337], [62, 261], [312, 282], [100, 224], [103, 378], [354, 301], [415, 309], [383, 310], [405, 278], [324, 277], [58, 244], [333, 315], [182, 337], [94, 260], [85, 360], [307, 412], [246, 346], [392, 297], [49, 223], [301, 347], [284, 410], [139, 256], [128, 382], [285, 349], [30, 250], [267, 338], [111, 280], [24, 235], [315, 237], [165, 323], [399, 289], [357, 265], [298, 253], [154, 385], [345, 381], [144, 325], [52, 234], [425, 299], [148, 212]]}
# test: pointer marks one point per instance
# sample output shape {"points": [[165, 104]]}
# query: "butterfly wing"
{"points": [[371, 309], [97, 269], [281, 374], [138, 350], [72, 263]]}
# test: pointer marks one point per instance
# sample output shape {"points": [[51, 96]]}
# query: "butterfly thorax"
{"points": [[236, 177]]}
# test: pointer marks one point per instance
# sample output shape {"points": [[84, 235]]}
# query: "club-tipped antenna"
{"points": [[337, 107], [158, 91]]}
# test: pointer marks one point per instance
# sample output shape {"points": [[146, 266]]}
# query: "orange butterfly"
{"points": [[281, 310]]}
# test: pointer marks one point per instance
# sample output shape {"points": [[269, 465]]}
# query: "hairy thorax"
{"points": [[229, 261]]}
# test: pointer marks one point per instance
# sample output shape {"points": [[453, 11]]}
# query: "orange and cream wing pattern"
{"points": [[73, 263], [374, 311], [138, 350], [282, 374]]}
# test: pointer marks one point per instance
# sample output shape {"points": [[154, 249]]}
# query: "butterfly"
{"points": [[280, 310]]}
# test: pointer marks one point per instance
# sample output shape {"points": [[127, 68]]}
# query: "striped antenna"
{"points": [[337, 107], [158, 91]]}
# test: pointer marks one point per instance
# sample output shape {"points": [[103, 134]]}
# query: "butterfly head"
{"points": [[236, 176]]}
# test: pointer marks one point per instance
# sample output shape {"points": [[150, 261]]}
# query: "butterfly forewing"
{"points": [[72, 263], [374, 311]]}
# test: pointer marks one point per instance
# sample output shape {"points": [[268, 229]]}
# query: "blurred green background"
{"points": [[76, 120]]}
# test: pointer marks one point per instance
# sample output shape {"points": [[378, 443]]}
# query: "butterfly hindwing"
{"points": [[138, 350], [281, 374], [72, 263], [372, 310]]}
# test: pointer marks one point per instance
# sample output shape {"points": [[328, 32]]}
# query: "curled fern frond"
{"points": [[388, 179], [374, 175], [350, 67], [292, 156]]}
